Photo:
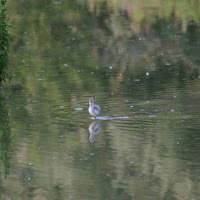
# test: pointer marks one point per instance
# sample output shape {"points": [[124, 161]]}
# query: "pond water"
{"points": [[140, 61]]}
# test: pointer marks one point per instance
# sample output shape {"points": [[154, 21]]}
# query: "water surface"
{"points": [[140, 63]]}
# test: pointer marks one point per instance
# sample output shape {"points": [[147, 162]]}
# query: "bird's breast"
{"points": [[93, 111]]}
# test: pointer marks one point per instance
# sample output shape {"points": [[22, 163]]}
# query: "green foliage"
{"points": [[5, 136], [4, 41]]}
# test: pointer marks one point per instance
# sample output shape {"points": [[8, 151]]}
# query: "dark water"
{"points": [[141, 63]]}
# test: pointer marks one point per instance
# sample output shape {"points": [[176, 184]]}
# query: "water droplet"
{"points": [[110, 67], [131, 106], [147, 73], [172, 110]]}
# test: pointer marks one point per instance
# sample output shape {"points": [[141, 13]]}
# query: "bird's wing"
{"points": [[97, 107]]}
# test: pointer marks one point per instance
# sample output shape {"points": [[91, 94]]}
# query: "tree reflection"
{"points": [[6, 138]]}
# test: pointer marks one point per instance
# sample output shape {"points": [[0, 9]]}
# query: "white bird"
{"points": [[93, 109]]}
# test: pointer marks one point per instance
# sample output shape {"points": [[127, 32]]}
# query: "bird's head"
{"points": [[91, 100]]}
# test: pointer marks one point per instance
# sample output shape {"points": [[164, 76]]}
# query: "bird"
{"points": [[93, 109]]}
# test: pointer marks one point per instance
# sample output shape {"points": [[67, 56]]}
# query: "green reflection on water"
{"points": [[6, 138], [136, 62]]}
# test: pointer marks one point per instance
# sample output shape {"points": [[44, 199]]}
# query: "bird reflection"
{"points": [[94, 128]]}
